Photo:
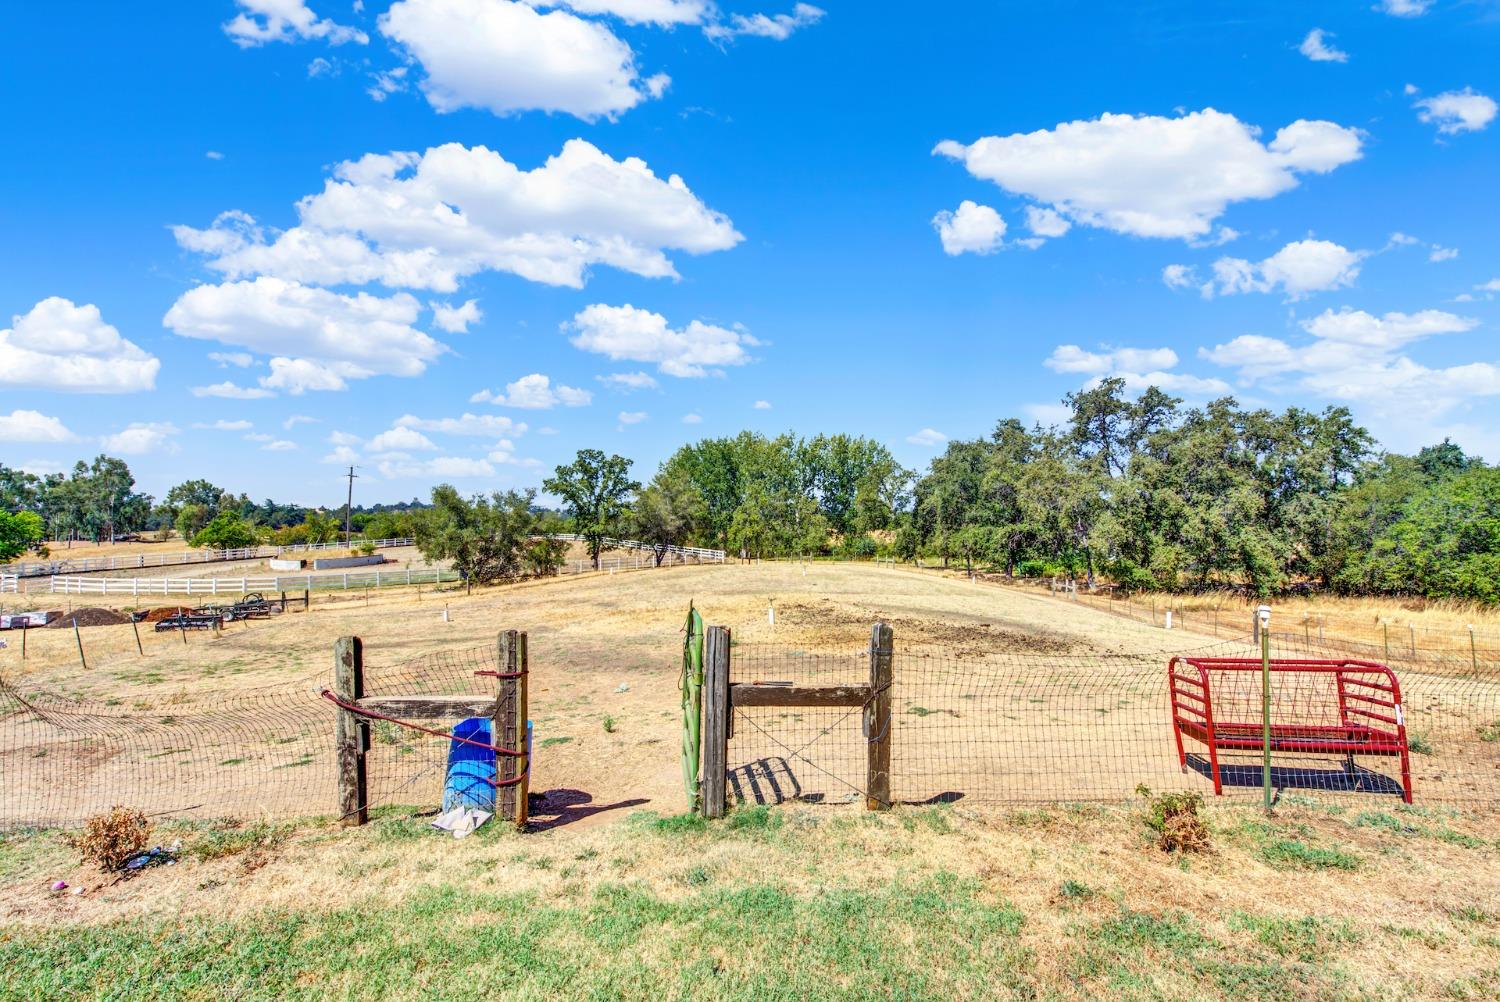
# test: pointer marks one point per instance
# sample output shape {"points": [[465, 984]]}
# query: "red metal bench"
{"points": [[1317, 707]]}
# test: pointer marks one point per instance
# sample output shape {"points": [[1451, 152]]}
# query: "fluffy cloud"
{"points": [[692, 419], [629, 381], [58, 345], [263, 21], [401, 439], [469, 424], [32, 426], [775, 26], [280, 445], [455, 467], [632, 417], [658, 12], [1139, 367], [1151, 176], [426, 221], [230, 391], [320, 338], [1356, 356], [222, 425], [507, 57], [1298, 270], [762, 405], [238, 359], [628, 333], [1404, 8], [927, 437], [456, 319], [972, 228], [342, 454], [534, 392], [1046, 222], [1315, 47], [1457, 111], [140, 438]]}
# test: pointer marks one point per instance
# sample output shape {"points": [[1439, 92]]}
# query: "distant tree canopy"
{"points": [[18, 533], [1154, 495], [226, 531], [767, 496], [97, 501]]}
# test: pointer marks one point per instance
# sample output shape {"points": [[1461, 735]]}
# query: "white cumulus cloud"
{"points": [[927, 437], [1139, 367], [1150, 176], [628, 381], [1357, 356], [440, 467], [428, 220], [1315, 47], [774, 26], [263, 21], [1404, 8], [456, 319], [486, 425], [231, 391], [636, 335], [141, 438], [534, 392], [1457, 111], [32, 426], [972, 228], [58, 345], [1298, 270], [662, 13], [320, 338], [401, 439], [507, 57]]}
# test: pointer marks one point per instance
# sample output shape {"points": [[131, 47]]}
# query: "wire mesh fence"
{"points": [[261, 753], [1071, 728]]}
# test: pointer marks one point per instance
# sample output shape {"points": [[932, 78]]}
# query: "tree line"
{"points": [[1137, 491]]}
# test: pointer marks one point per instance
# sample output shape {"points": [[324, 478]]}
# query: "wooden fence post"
{"points": [[878, 720], [505, 731], [351, 735], [715, 720]]}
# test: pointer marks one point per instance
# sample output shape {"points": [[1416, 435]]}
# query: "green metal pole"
{"points": [[692, 705], [1264, 612]]}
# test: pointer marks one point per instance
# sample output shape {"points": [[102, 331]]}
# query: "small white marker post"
{"points": [[1167, 624], [771, 611], [1263, 618]]}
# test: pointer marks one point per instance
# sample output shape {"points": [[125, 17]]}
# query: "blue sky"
{"points": [[241, 236]]}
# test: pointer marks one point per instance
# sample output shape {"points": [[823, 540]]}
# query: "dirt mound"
{"points": [[89, 617], [164, 612]]}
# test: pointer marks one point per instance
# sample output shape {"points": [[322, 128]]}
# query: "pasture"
{"points": [[1017, 862]]}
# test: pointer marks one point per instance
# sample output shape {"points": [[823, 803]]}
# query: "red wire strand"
{"points": [[356, 708]]}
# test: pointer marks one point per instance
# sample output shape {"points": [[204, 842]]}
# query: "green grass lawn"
{"points": [[786, 904]]}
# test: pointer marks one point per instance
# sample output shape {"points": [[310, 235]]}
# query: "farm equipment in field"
{"points": [[252, 606], [202, 618]]}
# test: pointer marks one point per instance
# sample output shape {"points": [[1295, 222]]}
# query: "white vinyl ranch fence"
{"points": [[241, 586], [85, 565], [9, 582], [703, 555]]}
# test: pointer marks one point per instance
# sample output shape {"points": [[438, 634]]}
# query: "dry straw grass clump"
{"points": [[112, 838], [1174, 818]]}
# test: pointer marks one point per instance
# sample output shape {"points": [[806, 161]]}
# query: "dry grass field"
{"points": [[617, 894]]}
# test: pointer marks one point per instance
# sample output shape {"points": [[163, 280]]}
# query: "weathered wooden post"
{"points": [[715, 720], [351, 734], [508, 727], [878, 720]]}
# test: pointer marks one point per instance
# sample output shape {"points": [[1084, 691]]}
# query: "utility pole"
{"points": [[348, 503]]}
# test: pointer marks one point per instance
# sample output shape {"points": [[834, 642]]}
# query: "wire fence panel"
{"points": [[264, 753], [1068, 728]]}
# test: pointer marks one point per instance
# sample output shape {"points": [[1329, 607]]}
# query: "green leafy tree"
{"points": [[226, 531], [665, 513], [19, 532], [486, 539], [596, 491], [320, 527]]}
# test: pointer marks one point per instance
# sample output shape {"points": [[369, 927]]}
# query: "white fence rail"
{"points": [[716, 556], [241, 586], [9, 582], [86, 565]]}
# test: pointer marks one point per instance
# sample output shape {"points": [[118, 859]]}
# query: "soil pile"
{"points": [[88, 617], [165, 612]]}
